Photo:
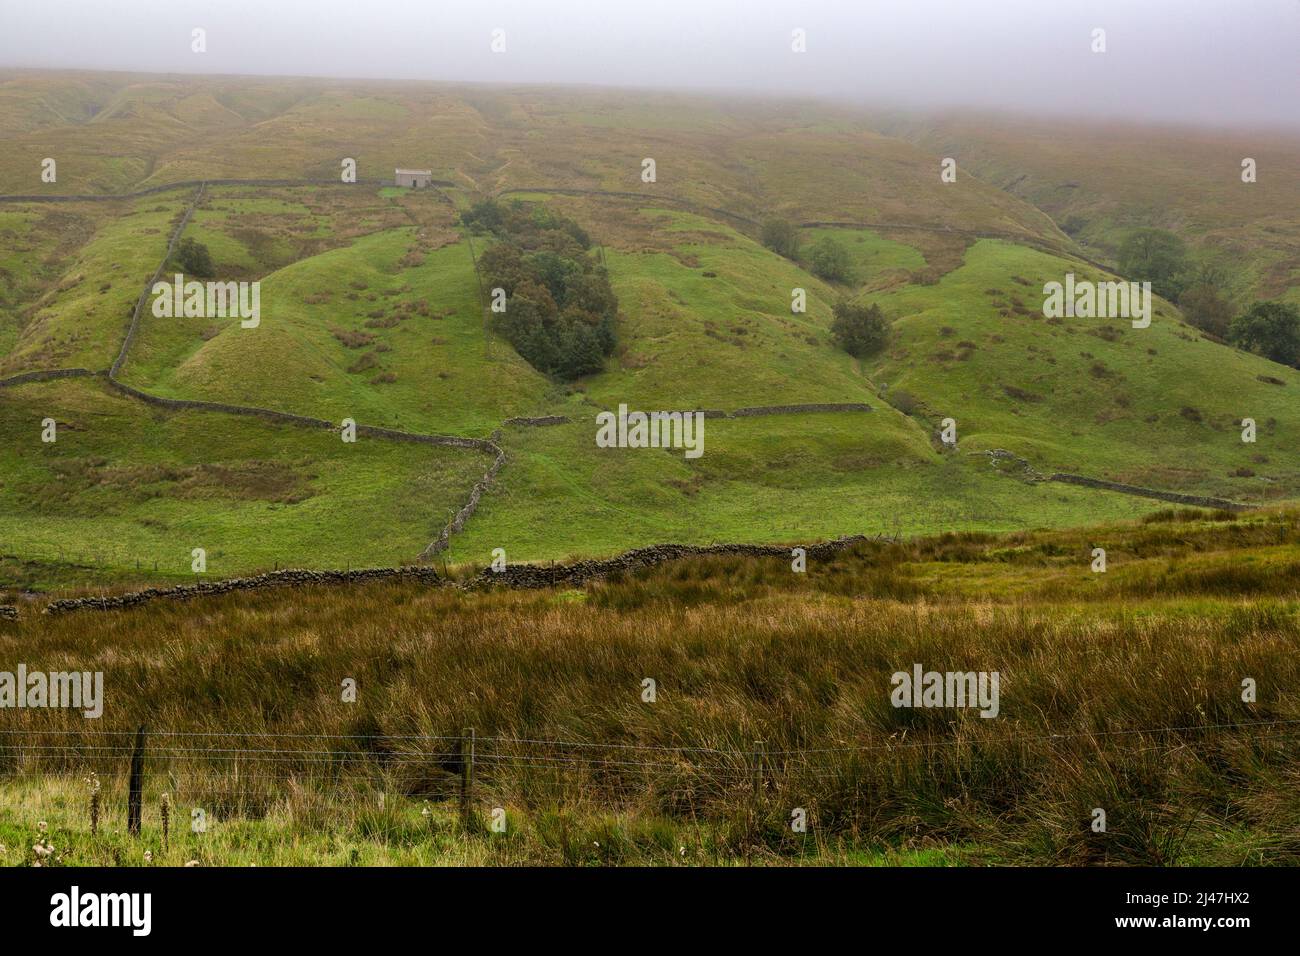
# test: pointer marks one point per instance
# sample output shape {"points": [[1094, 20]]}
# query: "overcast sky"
{"points": [[1217, 62]]}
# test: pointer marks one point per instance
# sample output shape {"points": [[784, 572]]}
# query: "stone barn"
{"points": [[414, 178]]}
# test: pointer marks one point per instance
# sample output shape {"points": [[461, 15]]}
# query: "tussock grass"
{"points": [[1114, 695]]}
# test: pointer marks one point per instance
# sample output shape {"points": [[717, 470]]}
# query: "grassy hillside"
{"points": [[371, 309], [1159, 406], [381, 325], [787, 478], [77, 320], [752, 158]]}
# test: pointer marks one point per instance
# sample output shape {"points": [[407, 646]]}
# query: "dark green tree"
{"points": [[193, 258], [830, 260], [560, 308], [860, 330], [781, 237], [1270, 329], [1156, 256], [1205, 309]]}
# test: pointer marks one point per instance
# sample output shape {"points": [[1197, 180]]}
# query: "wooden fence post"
{"points": [[466, 774], [756, 800], [135, 785]]}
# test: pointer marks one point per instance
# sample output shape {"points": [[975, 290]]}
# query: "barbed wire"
{"points": [[376, 740]]}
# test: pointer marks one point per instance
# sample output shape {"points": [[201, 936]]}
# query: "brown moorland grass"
{"points": [[1120, 691]]}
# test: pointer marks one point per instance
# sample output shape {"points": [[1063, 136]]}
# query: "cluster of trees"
{"points": [[560, 310], [826, 259], [1270, 329]]}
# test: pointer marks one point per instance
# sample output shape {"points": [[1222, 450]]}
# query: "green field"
{"points": [[125, 490]]}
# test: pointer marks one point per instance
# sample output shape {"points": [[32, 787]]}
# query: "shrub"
{"points": [[904, 401], [353, 339], [780, 236], [1073, 225], [193, 258], [859, 329], [1203, 308], [829, 260]]}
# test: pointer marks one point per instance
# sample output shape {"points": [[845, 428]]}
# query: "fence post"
{"points": [[466, 774], [756, 800], [135, 785]]}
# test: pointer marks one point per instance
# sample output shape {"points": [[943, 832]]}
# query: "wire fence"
{"points": [[245, 773]]}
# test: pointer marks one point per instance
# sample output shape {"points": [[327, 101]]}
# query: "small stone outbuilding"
{"points": [[414, 178]]}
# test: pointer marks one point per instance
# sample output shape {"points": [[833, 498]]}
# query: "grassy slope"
{"points": [[35, 243], [780, 479], [80, 321], [373, 287], [126, 484], [1158, 406]]}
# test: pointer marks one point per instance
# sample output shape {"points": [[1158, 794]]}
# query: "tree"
{"points": [[502, 266], [860, 330], [780, 236], [1204, 308], [1271, 329], [830, 260], [485, 215], [193, 259], [1156, 256], [554, 271]]}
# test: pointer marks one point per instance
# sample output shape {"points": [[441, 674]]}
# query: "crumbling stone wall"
{"points": [[523, 576], [805, 408], [542, 576], [272, 579]]}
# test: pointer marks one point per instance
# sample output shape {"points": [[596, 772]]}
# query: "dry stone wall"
{"points": [[45, 376], [1199, 501], [272, 579], [517, 576]]}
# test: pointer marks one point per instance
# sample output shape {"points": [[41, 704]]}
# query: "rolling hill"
{"points": [[372, 310]]}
